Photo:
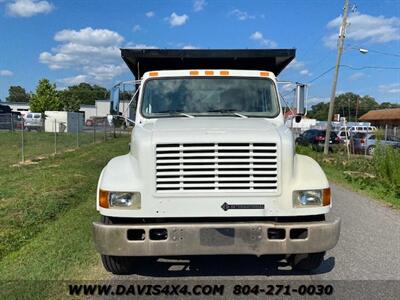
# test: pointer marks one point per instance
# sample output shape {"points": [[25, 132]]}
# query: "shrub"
{"points": [[386, 162]]}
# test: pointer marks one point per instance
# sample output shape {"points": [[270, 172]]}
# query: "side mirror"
{"points": [[114, 99], [300, 96]]}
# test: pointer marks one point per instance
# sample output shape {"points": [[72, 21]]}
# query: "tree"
{"points": [[348, 105], [319, 111], [17, 93], [46, 97], [69, 102], [84, 93], [385, 105]]}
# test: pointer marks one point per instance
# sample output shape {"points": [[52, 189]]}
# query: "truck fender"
{"points": [[120, 174], [308, 174]]}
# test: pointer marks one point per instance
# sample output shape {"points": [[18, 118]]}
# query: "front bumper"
{"points": [[216, 238]]}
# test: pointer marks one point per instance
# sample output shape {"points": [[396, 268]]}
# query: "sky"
{"points": [[75, 41]]}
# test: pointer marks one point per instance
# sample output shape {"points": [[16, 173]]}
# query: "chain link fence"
{"points": [[20, 143]]}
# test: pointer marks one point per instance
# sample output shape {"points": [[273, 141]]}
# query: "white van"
{"points": [[33, 121]]}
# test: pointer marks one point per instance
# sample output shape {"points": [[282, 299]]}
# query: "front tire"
{"points": [[118, 265], [306, 261]]}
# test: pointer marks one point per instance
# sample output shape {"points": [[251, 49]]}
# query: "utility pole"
{"points": [[357, 103], [335, 76]]}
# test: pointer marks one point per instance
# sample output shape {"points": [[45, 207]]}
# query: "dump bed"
{"points": [[140, 61]]}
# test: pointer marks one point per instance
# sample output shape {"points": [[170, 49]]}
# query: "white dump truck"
{"points": [[212, 169]]}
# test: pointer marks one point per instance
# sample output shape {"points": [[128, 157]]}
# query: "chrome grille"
{"points": [[216, 167]]}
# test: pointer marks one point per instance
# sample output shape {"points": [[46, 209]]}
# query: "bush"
{"points": [[386, 162]]}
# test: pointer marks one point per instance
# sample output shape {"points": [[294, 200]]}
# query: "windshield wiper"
{"points": [[231, 111], [175, 113]]}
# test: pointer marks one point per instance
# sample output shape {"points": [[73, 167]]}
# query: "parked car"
{"points": [[316, 138], [367, 129], [366, 142], [95, 121], [33, 121], [342, 135]]}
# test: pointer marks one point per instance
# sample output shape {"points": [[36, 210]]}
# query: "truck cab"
{"points": [[212, 169]]}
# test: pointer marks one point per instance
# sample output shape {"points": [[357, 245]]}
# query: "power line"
{"points": [[354, 68], [322, 74], [371, 67]]}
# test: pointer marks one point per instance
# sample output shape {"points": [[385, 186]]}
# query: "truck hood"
{"points": [[214, 129]]}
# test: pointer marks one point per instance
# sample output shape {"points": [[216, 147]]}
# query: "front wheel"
{"points": [[306, 261], [118, 265]]}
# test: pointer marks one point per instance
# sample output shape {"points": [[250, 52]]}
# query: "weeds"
{"points": [[377, 176]]}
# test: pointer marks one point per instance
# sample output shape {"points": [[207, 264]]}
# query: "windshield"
{"points": [[209, 97]]}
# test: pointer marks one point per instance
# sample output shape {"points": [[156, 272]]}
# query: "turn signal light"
{"points": [[326, 198], [152, 74], [264, 74], [224, 73], [103, 199], [194, 73], [209, 72]]}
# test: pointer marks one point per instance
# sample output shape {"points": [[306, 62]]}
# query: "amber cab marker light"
{"points": [[209, 72], [194, 73], [326, 197], [103, 199], [153, 74], [224, 73], [264, 74]]}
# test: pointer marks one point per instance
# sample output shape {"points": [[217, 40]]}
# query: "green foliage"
{"points": [[46, 97], [385, 105], [17, 93], [69, 102], [319, 111], [386, 162], [378, 177], [38, 214], [82, 93], [348, 105]]}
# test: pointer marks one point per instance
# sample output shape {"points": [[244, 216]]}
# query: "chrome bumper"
{"points": [[215, 238]]}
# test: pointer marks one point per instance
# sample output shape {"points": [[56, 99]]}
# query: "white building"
{"points": [[100, 109], [63, 121], [17, 106]]}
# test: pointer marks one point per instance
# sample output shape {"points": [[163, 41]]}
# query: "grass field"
{"points": [[46, 211], [38, 144]]}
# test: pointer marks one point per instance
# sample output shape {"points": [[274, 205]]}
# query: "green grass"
{"points": [[37, 144], [46, 211], [377, 177]]}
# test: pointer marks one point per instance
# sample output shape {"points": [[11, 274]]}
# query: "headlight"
{"points": [[309, 198], [129, 200]]}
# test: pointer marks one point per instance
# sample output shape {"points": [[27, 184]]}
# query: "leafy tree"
{"points": [[17, 93], [385, 105], [69, 102], [83, 93], [348, 105], [319, 111], [46, 97]]}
